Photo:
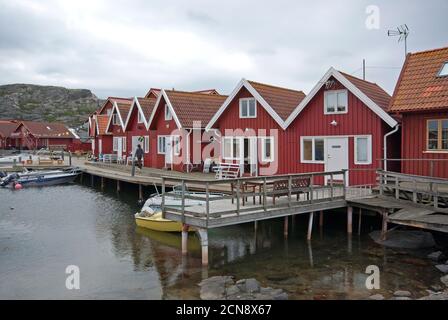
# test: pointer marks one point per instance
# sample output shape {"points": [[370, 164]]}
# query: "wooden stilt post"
{"points": [[321, 219], [255, 226], [184, 239], [384, 229], [285, 227], [310, 254], [81, 178], [349, 220], [140, 192], [92, 180], [203, 235], [102, 183], [310, 226], [118, 185], [359, 222]]}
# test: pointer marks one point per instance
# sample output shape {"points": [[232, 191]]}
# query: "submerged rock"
{"points": [[400, 298], [408, 239], [442, 268], [436, 296], [402, 293], [224, 287], [444, 280], [436, 256], [377, 297]]}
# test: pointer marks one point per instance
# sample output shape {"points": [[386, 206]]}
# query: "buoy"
{"points": [[18, 186]]}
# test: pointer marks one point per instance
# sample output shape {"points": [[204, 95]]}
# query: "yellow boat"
{"points": [[156, 222]]}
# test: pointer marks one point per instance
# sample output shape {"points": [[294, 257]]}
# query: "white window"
{"points": [[115, 144], [232, 148], [168, 115], [248, 108], [175, 140], [146, 144], [444, 70], [115, 119], [267, 149], [139, 117], [161, 144], [227, 148], [363, 150], [123, 142], [312, 150], [109, 111], [335, 101]]}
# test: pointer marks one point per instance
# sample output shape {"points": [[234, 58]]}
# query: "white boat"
{"points": [[40, 178]]}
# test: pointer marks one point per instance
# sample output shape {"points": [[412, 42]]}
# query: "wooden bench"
{"points": [[281, 187]]}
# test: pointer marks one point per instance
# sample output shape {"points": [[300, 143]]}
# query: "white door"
{"points": [[120, 148], [337, 156], [135, 143], [100, 146], [168, 150], [253, 156]]}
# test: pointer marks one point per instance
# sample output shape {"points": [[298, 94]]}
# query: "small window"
{"points": [[444, 70], [248, 108], [227, 148], [168, 115], [335, 101], [161, 144], [176, 145], [115, 119], [115, 144], [267, 149], [313, 150], [146, 144], [109, 111], [363, 150], [437, 136], [236, 148], [139, 117]]}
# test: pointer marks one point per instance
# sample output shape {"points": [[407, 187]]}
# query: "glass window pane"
{"points": [[267, 148], [445, 134], [236, 148], [227, 148], [319, 150], [433, 134], [331, 102], [361, 149], [444, 70], [308, 150], [252, 108], [342, 101], [244, 108]]}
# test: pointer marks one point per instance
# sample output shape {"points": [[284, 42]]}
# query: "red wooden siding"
{"points": [[413, 145], [138, 129]]}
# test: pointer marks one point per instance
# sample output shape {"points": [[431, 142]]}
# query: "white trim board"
{"points": [[352, 88], [139, 110], [244, 83], [168, 102], [115, 108]]}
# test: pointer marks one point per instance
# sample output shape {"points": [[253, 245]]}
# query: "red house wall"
{"points": [[413, 146], [359, 120], [138, 129]]}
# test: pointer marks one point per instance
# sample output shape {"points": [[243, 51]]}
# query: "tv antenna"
{"points": [[402, 33]]}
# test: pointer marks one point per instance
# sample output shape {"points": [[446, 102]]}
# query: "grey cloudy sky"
{"points": [[122, 48]]}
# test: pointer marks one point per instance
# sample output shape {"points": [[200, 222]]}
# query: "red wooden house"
{"points": [[36, 135], [136, 126], [251, 123], [176, 125], [341, 124], [421, 98], [116, 126], [7, 127]]}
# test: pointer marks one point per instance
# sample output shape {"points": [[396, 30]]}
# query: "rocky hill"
{"points": [[33, 102]]}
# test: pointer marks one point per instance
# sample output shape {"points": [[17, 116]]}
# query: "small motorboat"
{"points": [[40, 178], [150, 216]]}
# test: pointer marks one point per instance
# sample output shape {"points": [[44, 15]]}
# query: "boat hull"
{"points": [[43, 182], [157, 223]]}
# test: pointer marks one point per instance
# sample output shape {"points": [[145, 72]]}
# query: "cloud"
{"points": [[125, 47]]}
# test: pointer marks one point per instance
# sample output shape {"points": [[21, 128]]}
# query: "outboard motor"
{"points": [[8, 179], [3, 174]]}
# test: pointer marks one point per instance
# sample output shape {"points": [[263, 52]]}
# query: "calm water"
{"points": [[42, 231]]}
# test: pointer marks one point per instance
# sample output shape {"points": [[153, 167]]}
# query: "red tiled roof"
{"points": [[371, 90], [419, 87], [124, 107], [191, 106], [47, 129], [282, 100], [7, 127], [207, 91], [147, 105], [112, 100], [153, 91], [103, 120]]}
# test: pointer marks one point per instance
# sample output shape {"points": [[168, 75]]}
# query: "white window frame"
{"points": [[146, 144], [230, 157], [159, 139], [444, 66], [369, 150], [176, 146], [313, 149], [263, 149], [108, 112], [115, 144], [336, 92], [139, 117], [115, 120], [168, 114], [123, 143], [241, 108]]}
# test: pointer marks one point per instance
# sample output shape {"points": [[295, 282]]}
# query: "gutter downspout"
{"points": [[188, 146], [385, 145]]}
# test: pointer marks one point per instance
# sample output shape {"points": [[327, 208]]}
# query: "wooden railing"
{"points": [[428, 192], [252, 194]]}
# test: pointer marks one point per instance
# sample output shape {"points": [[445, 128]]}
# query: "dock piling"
{"points": [[203, 236], [102, 183], [184, 239], [285, 227], [359, 222], [118, 185], [310, 226], [384, 228], [140, 192], [321, 219], [349, 220]]}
